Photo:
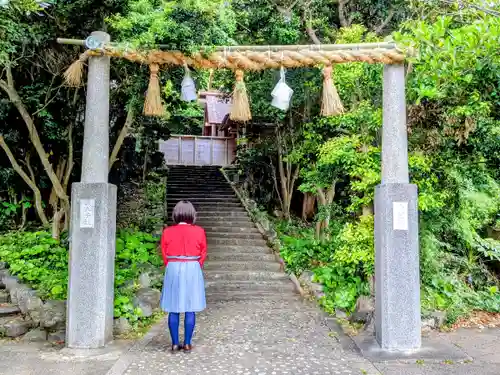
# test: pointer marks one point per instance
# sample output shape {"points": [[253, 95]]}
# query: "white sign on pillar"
{"points": [[400, 215], [87, 213]]}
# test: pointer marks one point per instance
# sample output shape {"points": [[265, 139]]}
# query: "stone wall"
{"points": [[22, 312]]}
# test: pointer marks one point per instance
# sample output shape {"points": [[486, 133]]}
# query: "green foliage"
{"points": [[135, 251], [172, 23], [42, 262], [39, 260]]}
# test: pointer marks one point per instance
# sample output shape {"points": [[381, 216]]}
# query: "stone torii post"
{"points": [[93, 222], [397, 272], [397, 277]]}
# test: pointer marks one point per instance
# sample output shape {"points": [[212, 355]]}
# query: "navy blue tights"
{"points": [[173, 326]]}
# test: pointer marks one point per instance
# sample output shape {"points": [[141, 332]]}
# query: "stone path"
{"points": [[253, 337], [309, 347]]}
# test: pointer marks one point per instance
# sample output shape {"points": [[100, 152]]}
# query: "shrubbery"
{"points": [[42, 262]]}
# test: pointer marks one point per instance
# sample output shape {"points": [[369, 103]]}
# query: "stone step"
{"points": [[242, 224], [241, 266], [216, 203], [217, 297], [221, 215], [226, 228], [225, 286], [196, 184], [198, 188], [232, 249], [7, 309], [212, 275], [240, 257], [243, 236], [237, 241], [200, 196], [220, 210]]}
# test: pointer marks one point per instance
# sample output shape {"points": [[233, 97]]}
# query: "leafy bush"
{"points": [[38, 260], [42, 262]]}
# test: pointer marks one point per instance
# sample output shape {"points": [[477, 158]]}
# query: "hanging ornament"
{"points": [[282, 93], [188, 88], [240, 109], [153, 105], [331, 105]]}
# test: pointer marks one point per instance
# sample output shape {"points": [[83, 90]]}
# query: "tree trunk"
{"points": [[145, 165], [56, 223], [15, 99], [325, 200], [308, 206], [29, 182], [121, 137]]}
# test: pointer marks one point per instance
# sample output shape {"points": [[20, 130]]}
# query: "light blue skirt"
{"points": [[183, 287]]}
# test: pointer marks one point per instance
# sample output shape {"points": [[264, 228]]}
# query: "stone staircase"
{"points": [[239, 266]]}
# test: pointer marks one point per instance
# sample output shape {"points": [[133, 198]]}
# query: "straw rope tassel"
{"points": [[73, 75], [240, 110], [331, 104], [153, 105]]}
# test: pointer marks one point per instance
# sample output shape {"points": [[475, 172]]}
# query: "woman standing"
{"points": [[184, 249]]}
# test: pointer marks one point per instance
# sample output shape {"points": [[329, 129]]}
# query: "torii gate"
{"points": [[93, 214]]}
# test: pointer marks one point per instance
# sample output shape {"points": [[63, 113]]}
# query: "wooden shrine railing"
{"points": [[198, 150]]}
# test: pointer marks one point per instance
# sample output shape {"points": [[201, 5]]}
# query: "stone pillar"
{"points": [[93, 222], [397, 274]]}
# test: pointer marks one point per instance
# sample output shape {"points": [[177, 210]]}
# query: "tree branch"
{"points": [[31, 183], [385, 22], [344, 22], [35, 138], [121, 137]]}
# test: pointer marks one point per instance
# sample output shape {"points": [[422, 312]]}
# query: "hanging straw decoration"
{"points": [[240, 110], [331, 104], [153, 105], [73, 75]]}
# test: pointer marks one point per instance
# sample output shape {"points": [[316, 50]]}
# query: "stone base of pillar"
{"points": [[397, 272], [91, 265]]}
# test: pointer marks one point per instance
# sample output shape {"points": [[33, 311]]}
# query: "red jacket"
{"points": [[183, 240]]}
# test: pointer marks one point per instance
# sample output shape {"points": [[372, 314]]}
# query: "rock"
{"points": [[149, 296], [16, 291], [10, 282], [57, 337], [4, 296], [306, 277], [53, 315], [146, 309], [439, 318], [7, 310], [428, 324], [3, 265], [35, 335], [27, 300], [3, 273], [341, 314], [144, 280], [363, 312], [317, 287], [121, 326], [14, 327]]}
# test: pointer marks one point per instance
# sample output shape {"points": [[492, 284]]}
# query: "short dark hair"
{"points": [[184, 212]]}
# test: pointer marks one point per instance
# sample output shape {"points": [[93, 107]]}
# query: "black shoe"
{"points": [[175, 348]]}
